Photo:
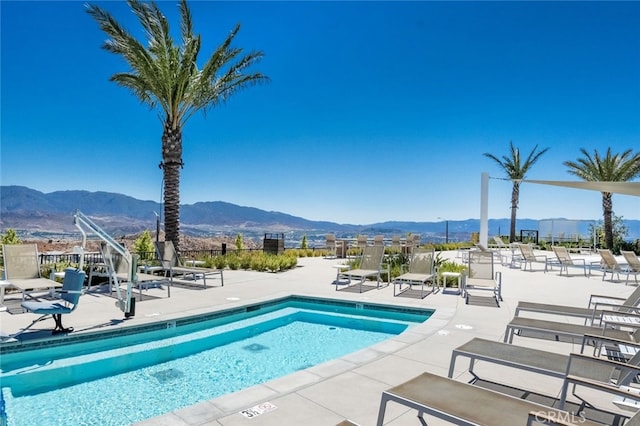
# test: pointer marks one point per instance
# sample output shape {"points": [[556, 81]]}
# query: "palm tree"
{"points": [[612, 168], [166, 76], [516, 170]]}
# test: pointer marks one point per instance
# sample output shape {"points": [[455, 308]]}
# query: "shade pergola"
{"points": [[626, 188]]}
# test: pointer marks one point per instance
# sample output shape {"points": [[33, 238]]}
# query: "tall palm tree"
{"points": [[610, 168], [166, 76], [516, 170]]}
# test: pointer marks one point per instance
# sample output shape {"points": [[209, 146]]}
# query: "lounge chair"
{"points": [[120, 271], [593, 312], [421, 271], [173, 266], [537, 361], [633, 264], [370, 266], [22, 270], [498, 243], [552, 329], [481, 275], [68, 302], [609, 264], [565, 260], [360, 243], [496, 252], [529, 257], [330, 245], [464, 404], [396, 244]]}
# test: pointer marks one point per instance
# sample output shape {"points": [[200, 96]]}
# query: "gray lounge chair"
{"points": [[481, 275], [173, 266], [535, 360], [68, 302], [565, 261], [370, 266], [577, 331], [633, 265], [22, 270], [465, 404], [597, 303], [421, 271]]}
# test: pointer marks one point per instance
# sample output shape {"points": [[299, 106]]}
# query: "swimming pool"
{"points": [[153, 369]]}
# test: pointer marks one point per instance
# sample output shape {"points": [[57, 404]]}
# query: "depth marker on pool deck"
{"points": [[256, 410]]}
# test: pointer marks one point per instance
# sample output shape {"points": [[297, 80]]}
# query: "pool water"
{"points": [[123, 384]]}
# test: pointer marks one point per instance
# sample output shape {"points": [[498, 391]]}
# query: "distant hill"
{"points": [[35, 213], [25, 209]]}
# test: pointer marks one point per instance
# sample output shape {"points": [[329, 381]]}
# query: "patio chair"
{"points": [[173, 266], [421, 271], [67, 303], [591, 313], [633, 265], [370, 266], [330, 245], [120, 271], [22, 269], [496, 252], [565, 260], [481, 275], [360, 243], [618, 325], [465, 404], [396, 246], [609, 264], [498, 243], [529, 257], [552, 364]]}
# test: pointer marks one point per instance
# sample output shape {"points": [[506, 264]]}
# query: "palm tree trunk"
{"points": [[607, 210], [515, 196], [172, 162]]}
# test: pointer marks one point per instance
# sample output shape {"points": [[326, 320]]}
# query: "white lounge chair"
{"points": [[421, 271], [633, 264], [481, 275], [529, 257], [609, 264], [566, 261], [370, 265]]}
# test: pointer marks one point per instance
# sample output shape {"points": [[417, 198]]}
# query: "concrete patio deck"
{"points": [[350, 387]]}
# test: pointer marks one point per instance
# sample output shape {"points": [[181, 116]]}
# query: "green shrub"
{"points": [[233, 261], [245, 261], [259, 263], [219, 262]]}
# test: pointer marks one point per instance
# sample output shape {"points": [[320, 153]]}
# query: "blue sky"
{"points": [[375, 111]]}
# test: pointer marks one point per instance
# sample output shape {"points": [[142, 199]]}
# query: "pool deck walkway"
{"points": [[349, 387]]}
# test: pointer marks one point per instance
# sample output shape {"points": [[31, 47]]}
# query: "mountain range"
{"points": [[34, 213]]}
